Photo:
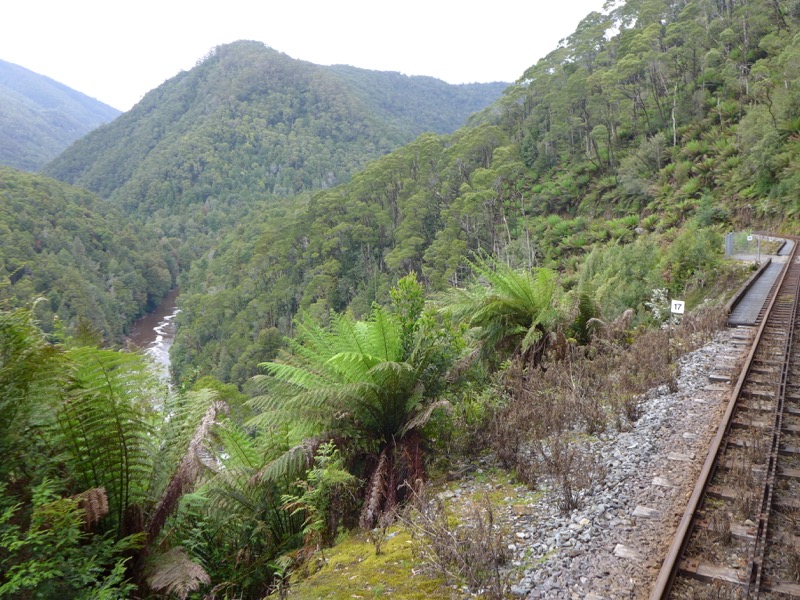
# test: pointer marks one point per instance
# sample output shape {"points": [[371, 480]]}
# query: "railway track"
{"points": [[740, 535]]}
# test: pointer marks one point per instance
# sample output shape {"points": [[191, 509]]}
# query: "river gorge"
{"points": [[155, 332]]}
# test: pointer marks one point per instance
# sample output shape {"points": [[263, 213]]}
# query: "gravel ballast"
{"points": [[612, 546]]}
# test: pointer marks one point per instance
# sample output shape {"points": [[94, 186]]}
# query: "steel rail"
{"points": [[671, 564], [757, 565]]}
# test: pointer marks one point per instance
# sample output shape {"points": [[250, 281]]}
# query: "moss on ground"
{"points": [[352, 570]]}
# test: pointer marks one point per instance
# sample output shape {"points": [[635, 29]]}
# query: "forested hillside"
{"points": [[249, 123], [40, 117], [356, 319], [647, 119], [90, 266]]}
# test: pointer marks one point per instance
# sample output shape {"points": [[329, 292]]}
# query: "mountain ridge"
{"points": [[41, 117], [266, 123]]}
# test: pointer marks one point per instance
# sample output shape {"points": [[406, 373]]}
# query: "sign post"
{"points": [[676, 307]]}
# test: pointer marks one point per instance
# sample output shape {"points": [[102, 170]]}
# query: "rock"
{"points": [[572, 556], [523, 588]]}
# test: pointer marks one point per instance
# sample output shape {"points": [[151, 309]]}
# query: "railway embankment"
{"points": [[612, 546]]}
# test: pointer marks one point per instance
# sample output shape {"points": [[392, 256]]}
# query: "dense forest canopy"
{"points": [[246, 126], [650, 116], [40, 117], [250, 123], [81, 255], [347, 307]]}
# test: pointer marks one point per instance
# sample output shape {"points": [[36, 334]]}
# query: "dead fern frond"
{"points": [[187, 473], [94, 503], [376, 492], [174, 572]]}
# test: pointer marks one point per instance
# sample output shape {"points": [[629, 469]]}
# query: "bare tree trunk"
{"points": [[674, 123]]}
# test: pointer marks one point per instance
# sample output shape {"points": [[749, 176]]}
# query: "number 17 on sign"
{"points": [[676, 308]]}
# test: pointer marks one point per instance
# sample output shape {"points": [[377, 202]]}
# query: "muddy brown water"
{"points": [[155, 332]]}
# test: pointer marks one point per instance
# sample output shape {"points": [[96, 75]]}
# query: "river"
{"points": [[155, 332]]}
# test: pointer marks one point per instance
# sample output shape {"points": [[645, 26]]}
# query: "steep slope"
{"points": [[78, 253], [646, 125], [250, 123], [419, 104], [39, 117]]}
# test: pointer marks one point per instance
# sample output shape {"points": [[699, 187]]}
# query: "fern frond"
{"points": [[32, 383], [376, 492], [424, 415], [348, 334], [105, 426], [182, 415], [174, 572], [290, 465], [303, 405], [298, 376], [384, 334], [238, 446], [351, 366], [187, 473], [532, 336], [94, 503]]}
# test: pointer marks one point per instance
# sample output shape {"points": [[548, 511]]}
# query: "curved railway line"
{"points": [[740, 534]]}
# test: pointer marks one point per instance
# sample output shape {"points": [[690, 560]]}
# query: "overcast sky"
{"points": [[117, 52]]}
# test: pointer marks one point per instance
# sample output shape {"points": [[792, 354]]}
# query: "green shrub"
{"points": [[50, 554]]}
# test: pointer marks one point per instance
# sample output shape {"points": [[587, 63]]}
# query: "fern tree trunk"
{"points": [[400, 465]]}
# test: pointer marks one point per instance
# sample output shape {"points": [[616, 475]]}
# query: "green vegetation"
{"points": [[248, 124], [92, 267], [645, 120], [97, 458], [41, 117], [354, 319], [375, 383], [513, 311], [390, 574]]}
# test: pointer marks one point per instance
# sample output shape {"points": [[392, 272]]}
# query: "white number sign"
{"points": [[678, 307]]}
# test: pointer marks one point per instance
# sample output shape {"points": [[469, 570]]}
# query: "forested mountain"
{"points": [[40, 117], [499, 290], [646, 119], [79, 253], [249, 123]]}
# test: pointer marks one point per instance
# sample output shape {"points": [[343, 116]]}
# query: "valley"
{"points": [[420, 318]]}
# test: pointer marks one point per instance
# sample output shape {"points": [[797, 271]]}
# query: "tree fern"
{"points": [[509, 310], [183, 414], [373, 382], [123, 452], [105, 426], [243, 517], [187, 472]]}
